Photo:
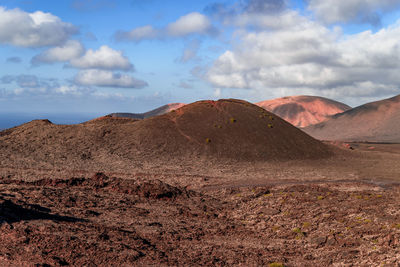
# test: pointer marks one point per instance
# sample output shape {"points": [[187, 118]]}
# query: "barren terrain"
{"points": [[372, 122], [337, 205]]}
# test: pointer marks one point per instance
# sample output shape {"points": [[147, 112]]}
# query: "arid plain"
{"points": [[212, 183]]}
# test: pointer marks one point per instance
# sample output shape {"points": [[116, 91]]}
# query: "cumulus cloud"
{"points": [[146, 32], [365, 11], [189, 24], [105, 58], [309, 57], [105, 78], [35, 29], [70, 50]]}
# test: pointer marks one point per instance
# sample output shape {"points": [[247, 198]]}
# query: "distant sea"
{"points": [[9, 120]]}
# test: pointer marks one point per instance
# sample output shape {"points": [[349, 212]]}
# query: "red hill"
{"points": [[302, 111]]}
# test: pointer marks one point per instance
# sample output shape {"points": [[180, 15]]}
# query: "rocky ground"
{"points": [[256, 193], [99, 220]]}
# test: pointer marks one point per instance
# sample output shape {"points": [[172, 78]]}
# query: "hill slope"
{"points": [[302, 111], [231, 129], [155, 112], [375, 122]]}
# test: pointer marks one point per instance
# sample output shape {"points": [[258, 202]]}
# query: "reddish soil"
{"points": [[373, 122], [302, 111], [102, 194]]}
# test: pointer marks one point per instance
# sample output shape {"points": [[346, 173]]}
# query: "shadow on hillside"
{"points": [[11, 213]]}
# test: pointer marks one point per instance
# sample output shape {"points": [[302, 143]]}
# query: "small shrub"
{"points": [[299, 233], [232, 120], [320, 197], [297, 230], [208, 140], [276, 264], [270, 125]]}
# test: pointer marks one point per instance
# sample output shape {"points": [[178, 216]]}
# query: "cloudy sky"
{"points": [[106, 55]]}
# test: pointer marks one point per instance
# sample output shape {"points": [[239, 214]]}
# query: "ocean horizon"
{"points": [[12, 119]]}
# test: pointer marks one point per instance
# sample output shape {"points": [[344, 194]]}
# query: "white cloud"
{"points": [[309, 57], [332, 11], [70, 50], [138, 34], [36, 29], [104, 58], [191, 23], [105, 78]]}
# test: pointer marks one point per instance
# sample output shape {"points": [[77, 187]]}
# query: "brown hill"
{"points": [[375, 122], [155, 112], [232, 129], [302, 111]]}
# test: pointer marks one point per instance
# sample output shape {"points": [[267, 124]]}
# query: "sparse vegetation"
{"points": [[276, 264]]}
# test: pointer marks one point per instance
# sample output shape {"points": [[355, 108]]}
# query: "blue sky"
{"points": [[102, 56]]}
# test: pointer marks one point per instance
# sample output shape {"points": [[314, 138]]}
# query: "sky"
{"points": [[103, 56]]}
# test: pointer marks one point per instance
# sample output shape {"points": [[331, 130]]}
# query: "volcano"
{"points": [[232, 129], [374, 122], [302, 111]]}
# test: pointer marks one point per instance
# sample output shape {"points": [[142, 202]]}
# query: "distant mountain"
{"points": [[375, 122], [155, 112], [302, 111]]}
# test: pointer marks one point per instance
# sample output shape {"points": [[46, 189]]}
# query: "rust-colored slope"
{"points": [[376, 122], [232, 129], [302, 111]]}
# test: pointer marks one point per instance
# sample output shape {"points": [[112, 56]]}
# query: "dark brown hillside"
{"points": [[232, 129], [374, 122]]}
